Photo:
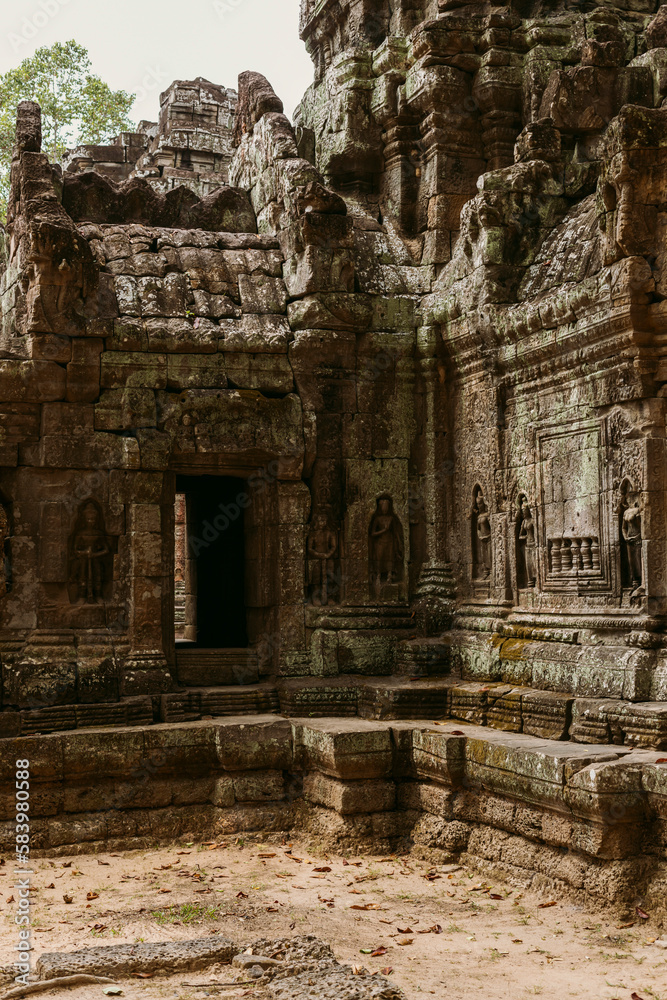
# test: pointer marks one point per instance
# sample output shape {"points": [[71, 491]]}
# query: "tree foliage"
{"points": [[77, 106]]}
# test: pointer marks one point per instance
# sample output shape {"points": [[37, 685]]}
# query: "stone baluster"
{"points": [[566, 551], [556, 556], [576, 555], [595, 555], [586, 557]]}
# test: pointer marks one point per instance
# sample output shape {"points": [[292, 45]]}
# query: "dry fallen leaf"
{"points": [[92, 895], [357, 970], [642, 914], [66, 864], [405, 930], [325, 869], [68, 899], [143, 975], [10, 899], [241, 895], [165, 890], [544, 906], [387, 971], [52, 886], [266, 855], [366, 906], [378, 952], [495, 895], [404, 942], [102, 862], [517, 940], [622, 927]]}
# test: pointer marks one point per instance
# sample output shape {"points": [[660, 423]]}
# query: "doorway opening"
{"points": [[209, 578]]}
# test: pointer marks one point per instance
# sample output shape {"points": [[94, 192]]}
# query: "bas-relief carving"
{"points": [[629, 513], [574, 523], [89, 556], [321, 553], [386, 542], [632, 535], [527, 546], [481, 537]]}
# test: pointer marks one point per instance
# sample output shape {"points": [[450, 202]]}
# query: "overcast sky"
{"points": [[142, 45]]}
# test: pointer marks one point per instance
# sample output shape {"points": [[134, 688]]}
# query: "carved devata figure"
{"points": [[527, 554], [321, 550], [89, 555], [386, 547], [481, 537], [630, 523], [632, 534]]}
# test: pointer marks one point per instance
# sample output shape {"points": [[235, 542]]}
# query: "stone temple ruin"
{"points": [[316, 435]]}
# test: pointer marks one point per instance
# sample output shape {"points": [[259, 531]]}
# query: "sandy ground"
{"points": [[447, 931]]}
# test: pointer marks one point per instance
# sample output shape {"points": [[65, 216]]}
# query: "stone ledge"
{"points": [[250, 772]]}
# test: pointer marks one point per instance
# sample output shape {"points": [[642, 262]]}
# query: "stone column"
{"points": [[145, 670], [435, 587], [293, 510]]}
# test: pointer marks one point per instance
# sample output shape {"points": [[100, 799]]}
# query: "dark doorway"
{"points": [[212, 554]]}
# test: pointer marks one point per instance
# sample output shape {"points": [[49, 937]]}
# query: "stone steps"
{"points": [[194, 703], [367, 697], [546, 714], [211, 667], [135, 711], [556, 715], [344, 696]]}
